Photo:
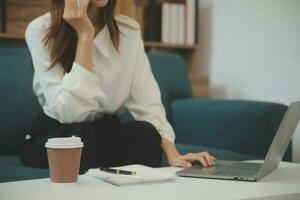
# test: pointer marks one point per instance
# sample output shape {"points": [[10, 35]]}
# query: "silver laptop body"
{"points": [[247, 171]]}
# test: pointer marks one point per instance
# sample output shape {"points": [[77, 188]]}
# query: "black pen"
{"points": [[117, 171]]}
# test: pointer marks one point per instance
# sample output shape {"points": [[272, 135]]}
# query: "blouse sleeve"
{"points": [[144, 102], [67, 97]]}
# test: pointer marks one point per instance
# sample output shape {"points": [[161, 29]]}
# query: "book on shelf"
{"points": [[152, 32], [3, 16], [191, 21], [179, 22], [168, 21], [197, 23], [173, 26]]}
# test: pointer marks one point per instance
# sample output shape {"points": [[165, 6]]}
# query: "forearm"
{"points": [[84, 52], [80, 22], [169, 149]]}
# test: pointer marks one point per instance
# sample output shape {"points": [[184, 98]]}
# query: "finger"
{"points": [[180, 162], [207, 158], [67, 3], [214, 158], [202, 161], [73, 7], [67, 6], [183, 163], [84, 4], [190, 157], [78, 3]]}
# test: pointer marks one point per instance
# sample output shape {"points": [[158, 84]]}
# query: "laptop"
{"points": [[249, 171]]}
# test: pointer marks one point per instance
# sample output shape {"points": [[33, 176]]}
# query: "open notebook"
{"points": [[144, 174]]}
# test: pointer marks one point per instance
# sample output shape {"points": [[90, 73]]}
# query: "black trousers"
{"points": [[107, 142]]}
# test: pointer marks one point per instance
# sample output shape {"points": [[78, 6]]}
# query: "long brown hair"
{"points": [[61, 38]]}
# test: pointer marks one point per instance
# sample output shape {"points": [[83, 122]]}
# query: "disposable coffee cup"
{"points": [[64, 156]]}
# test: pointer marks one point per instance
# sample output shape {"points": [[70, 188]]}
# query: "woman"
{"points": [[89, 65]]}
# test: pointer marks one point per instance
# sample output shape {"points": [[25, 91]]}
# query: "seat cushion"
{"points": [[11, 169]]}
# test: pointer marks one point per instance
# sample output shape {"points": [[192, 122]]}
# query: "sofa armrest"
{"points": [[246, 127]]}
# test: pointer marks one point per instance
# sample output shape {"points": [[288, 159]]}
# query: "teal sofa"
{"points": [[229, 129]]}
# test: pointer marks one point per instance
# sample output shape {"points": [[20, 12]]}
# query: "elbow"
{"points": [[68, 116], [65, 115], [68, 108], [70, 113]]}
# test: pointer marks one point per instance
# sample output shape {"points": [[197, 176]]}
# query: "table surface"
{"points": [[283, 181]]}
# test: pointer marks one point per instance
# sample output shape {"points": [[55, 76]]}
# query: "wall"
{"points": [[254, 51]]}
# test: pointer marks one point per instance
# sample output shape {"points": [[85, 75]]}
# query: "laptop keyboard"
{"points": [[239, 170]]}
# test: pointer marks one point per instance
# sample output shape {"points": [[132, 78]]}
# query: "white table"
{"points": [[284, 180]]}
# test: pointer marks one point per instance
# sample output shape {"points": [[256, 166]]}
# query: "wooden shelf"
{"points": [[11, 36], [20, 13], [147, 44], [200, 85], [169, 46]]}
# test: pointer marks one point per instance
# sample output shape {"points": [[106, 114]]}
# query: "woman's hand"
{"points": [[177, 160], [77, 17], [186, 160]]}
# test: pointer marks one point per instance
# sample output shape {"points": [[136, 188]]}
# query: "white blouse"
{"points": [[118, 79]]}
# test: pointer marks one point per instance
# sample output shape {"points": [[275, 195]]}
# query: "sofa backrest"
{"points": [[18, 104], [246, 127], [170, 72]]}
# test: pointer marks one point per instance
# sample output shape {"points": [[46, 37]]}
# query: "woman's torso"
{"points": [[114, 69]]}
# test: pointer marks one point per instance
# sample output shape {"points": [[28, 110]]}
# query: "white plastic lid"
{"points": [[64, 143]]}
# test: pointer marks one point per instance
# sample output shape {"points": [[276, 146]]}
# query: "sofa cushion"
{"points": [[18, 105], [11, 169]]}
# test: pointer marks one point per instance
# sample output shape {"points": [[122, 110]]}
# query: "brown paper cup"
{"points": [[64, 164], [64, 156]]}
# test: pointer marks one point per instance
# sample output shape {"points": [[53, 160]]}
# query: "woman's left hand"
{"points": [[186, 160]]}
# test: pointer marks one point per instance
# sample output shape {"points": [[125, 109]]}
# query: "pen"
{"points": [[117, 171]]}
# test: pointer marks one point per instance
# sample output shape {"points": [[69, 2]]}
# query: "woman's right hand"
{"points": [[77, 17]]}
